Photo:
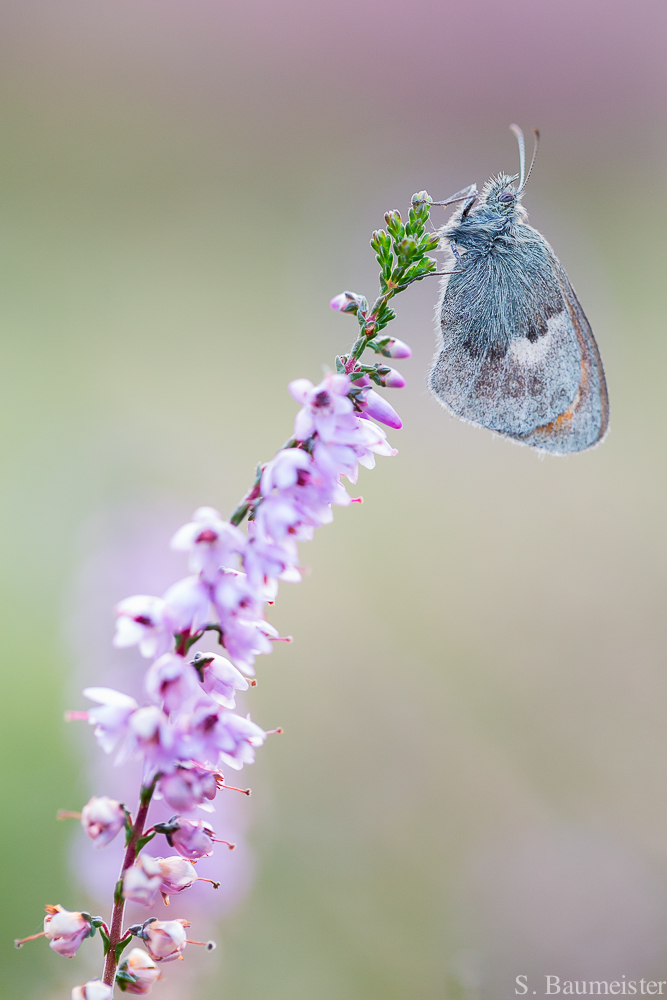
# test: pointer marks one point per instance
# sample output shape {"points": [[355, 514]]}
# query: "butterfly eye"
{"points": [[506, 197]]}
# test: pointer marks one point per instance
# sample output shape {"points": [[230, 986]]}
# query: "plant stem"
{"points": [[116, 926]]}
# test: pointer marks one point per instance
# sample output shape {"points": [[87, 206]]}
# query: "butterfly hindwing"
{"points": [[585, 422]]}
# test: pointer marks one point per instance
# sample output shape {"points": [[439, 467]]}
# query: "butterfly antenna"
{"points": [[522, 154], [536, 133]]}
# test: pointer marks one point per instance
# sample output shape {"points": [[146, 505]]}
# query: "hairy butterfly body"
{"points": [[516, 353]]}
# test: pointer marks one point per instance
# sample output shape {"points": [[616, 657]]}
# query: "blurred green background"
{"points": [[472, 781]]}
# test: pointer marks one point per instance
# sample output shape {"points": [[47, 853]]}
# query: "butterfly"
{"points": [[515, 352]]}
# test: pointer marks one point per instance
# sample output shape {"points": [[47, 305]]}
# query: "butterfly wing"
{"points": [[585, 422], [516, 352]]}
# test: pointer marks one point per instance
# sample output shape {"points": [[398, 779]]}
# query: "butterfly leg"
{"points": [[468, 192], [455, 250]]}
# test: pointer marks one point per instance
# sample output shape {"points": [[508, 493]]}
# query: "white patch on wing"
{"points": [[524, 352]]}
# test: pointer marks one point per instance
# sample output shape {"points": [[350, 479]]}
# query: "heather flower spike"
{"points": [[185, 732]]}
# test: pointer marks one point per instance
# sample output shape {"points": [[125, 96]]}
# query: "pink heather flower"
{"points": [[211, 542], [247, 638], [294, 473], [111, 718], [282, 515], [209, 733], [234, 594], [265, 560], [236, 738], [375, 405], [138, 973], [66, 929], [219, 678], [187, 787], [187, 605], [141, 622], [165, 939], [102, 818], [356, 446], [346, 302], [177, 874], [239, 603], [395, 348], [149, 735], [141, 882], [193, 838], [322, 405], [94, 989], [289, 467], [171, 681]]}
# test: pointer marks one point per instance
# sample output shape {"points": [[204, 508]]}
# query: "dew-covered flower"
{"points": [[211, 542], [112, 716], [192, 838], [138, 973], [141, 622], [94, 989], [141, 882], [66, 929], [165, 939], [321, 405], [177, 874], [219, 678], [188, 786], [171, 681], [102, 819]]}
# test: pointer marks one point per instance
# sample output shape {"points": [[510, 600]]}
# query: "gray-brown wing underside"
{"points": [[516, 353]]}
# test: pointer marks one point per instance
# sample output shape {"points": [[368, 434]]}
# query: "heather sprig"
{"points": [[187, 730]]}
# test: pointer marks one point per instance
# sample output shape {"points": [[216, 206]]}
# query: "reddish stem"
{"points": [[116, 932]]}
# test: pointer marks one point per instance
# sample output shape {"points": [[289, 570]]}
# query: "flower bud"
{"points": [[392, 347], [346, 302], [192, 838], [421, 198], [375, 405], [165, 939], [94, 989], [137, 973], [392, 380], [141, 882], [66, 929], [177, 874], [102, 818]]}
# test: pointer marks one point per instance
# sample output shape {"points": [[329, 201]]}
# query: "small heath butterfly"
{"points": [[516, 353]]}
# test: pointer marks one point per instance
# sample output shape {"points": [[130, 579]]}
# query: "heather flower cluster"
{"points": [[188, 732]]}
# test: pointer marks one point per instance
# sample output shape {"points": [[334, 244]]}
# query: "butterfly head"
{"points": [[500, 195]]}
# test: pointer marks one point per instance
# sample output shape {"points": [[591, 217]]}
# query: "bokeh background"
{"points": [[473, 781]]}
